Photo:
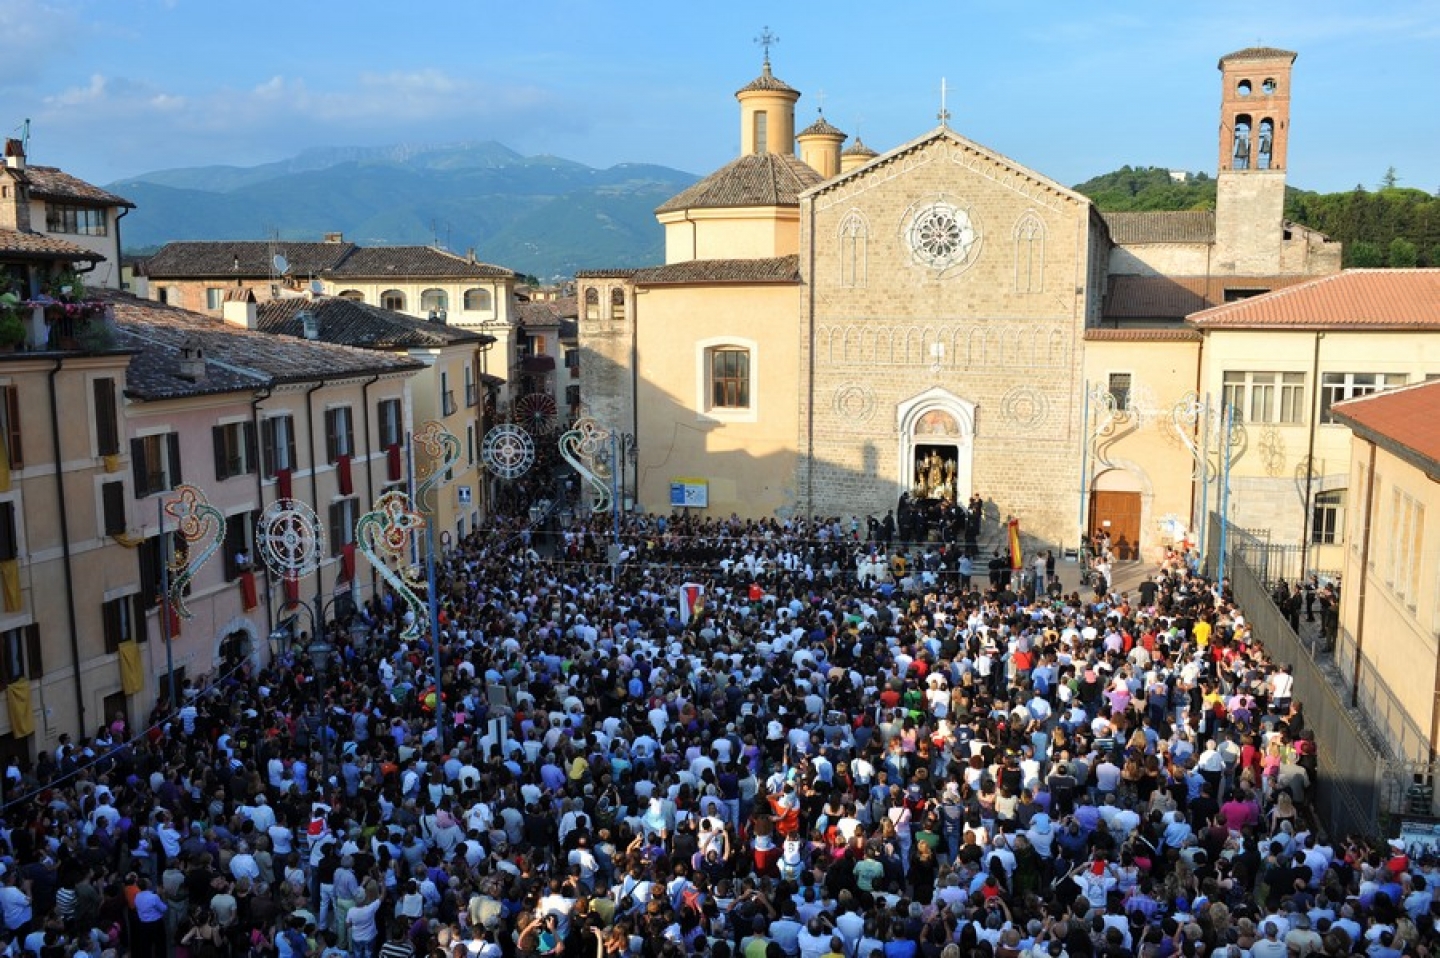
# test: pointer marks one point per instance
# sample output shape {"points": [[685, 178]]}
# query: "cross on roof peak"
{"points": [[766, 39]]}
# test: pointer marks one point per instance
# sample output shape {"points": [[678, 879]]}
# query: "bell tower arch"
{"points": [[1254, 138]]}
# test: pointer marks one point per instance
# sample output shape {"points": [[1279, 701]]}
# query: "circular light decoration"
{"points": [[536, 411], [941, 235], [508, 451], [289, 538]]}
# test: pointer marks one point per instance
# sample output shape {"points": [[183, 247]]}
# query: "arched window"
{"points": [[1240, 152], [1029, 253], [729, 378], [1264, 143], [477, 300], [434, 300], [617, 303], [592, 303], [354, 295], [762, 132], [854, 239], [393, 299]]}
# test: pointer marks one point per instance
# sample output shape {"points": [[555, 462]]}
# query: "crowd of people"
{"points": [[834, 748]]}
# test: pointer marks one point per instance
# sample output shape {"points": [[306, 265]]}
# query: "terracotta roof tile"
{"points": [[537, 314], [1353, 299], [1142, 334], [763, 179], [349, 323], [29, 245], [1163, 226], [426, 261], [779, 269], [858, 148], [1407, 418], [251, 259], [52, 183], [821, 127], [1261, 53], [1175, 297], [767, 81], [235, 357], [621, 273]]}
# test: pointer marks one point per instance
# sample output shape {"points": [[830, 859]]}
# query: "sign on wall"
{"points": [[689, 494], [463, 494]]}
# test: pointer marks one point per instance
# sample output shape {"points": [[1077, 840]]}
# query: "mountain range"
{"points": [[541, 215]]}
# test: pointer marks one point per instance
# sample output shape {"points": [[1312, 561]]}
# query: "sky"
{"points": [[115, 88]]}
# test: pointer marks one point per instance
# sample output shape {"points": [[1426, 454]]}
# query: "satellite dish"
{"points": [[317, 287], [281, 264]]}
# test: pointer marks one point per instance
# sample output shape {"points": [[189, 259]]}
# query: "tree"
{"points": [[1365, 254], [1389, 180], [1403, 253]]}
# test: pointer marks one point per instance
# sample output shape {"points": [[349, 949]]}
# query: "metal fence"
{"points": [[1361, 783]]}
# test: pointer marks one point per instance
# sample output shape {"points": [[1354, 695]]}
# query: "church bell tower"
{"points": [[1253, 138]]}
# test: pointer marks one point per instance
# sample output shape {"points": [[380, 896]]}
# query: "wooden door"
{"points": [[1121, 510]]}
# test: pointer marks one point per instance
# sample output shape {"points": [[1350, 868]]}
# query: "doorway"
{"points": [[1118, 514], [936, 447]]}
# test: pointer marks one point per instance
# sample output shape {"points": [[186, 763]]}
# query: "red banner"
{"points": [[292, 590], [282, 483], [394, 462], [342, 467], [248, 596], [347, 561]]}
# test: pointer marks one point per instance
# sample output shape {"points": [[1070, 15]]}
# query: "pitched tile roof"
{"points": [[236, 358], [821, 127], [767, 81], [1161, 226], [52, 183], [778, 269], [1104, 334], [1403, 420], [417, 261], [537, 314], [763, 179], [620, 273], [202, 260], [1175, 297], [1261, 53], [30, 245], [350, 323], [1376, 299]]}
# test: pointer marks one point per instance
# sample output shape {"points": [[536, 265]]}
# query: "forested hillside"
{"points": [[1387, 226]]}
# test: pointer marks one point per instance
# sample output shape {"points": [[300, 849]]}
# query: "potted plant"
{"points": [[12, 327]]}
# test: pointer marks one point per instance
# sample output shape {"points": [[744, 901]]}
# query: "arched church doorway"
{"points": [[937, 447]]}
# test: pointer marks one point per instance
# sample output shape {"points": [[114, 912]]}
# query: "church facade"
{"points": [[844, 332]]}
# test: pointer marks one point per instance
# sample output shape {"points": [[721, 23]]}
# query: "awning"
{"points": [[539, 364]]}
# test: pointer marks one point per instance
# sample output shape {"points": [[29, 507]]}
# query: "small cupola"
{"points": [[767, 114], [192, 360], [820, 146]]}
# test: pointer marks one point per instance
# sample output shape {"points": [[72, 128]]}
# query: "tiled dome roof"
{"points": [[767, 81], [763, 179], [821, 127], [1260, 53], [858, 148]]}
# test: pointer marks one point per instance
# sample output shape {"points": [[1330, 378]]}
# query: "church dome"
{"points": [[821, 127], [858, 148], [756, 179], [767, 82]]}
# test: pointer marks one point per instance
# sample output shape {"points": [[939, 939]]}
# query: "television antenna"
{"points": [[281, 264]]}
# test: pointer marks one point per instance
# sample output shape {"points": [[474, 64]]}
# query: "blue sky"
{"points": [[119, 87]]}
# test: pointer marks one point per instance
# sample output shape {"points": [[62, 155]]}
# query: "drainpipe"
{"points": [[1310, 461], [314, 492], [810, 372], [1199, 381], [1364, 584], [634, 394], [119, 250], [65, 549], [260, 498], [369, 466]]}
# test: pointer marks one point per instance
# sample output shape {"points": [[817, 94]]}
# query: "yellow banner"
{"points": [[4, 467], [10, 584], [1017, 559], [22, 720], [132, 671]]}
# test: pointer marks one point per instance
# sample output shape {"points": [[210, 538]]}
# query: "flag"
{"points": [[692, 600], [249, 598], [10, 584], [132, 670], [22, 718], [1017, 558]]}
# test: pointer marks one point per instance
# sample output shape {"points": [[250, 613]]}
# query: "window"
{"points": [[617, 303], [277, 445], [572, 362], [572, 397], [234, 449], [387, 414], [22, 653], [1029, 254], [1233, 295], [107, 422], [80, 220], [9, 540], [1327, 517], [1338, 387], [10, 426], [152, 558], [170, 296], [434, 301], [472, 395], [1403, 552], [470, 445], [339, 435], [592, 303], [354, 295], [477, 299], [729, 378], [343, 516], [112, 502], [156, 462], [239, 538], [124, 622], [854, 237], [537, 345], [1120, 390], [447, 396], [1266, 397], [214, 297], [393, 299], [762, 132]]}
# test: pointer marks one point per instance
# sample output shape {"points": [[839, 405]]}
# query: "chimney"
{"points": [[309, 324], [192, 360], [334, 237], [470, 254], [239, 308], [15, 154]]}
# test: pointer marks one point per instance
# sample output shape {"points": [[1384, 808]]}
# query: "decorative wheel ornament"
{"points": [[941, 235], [197, 521], [289, 538], [508, 451], [537, 412]]}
